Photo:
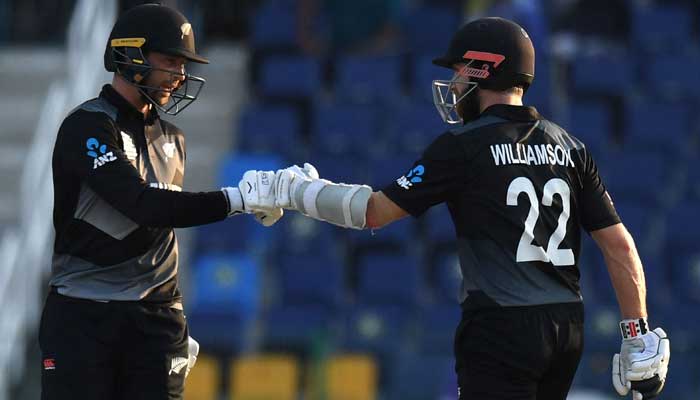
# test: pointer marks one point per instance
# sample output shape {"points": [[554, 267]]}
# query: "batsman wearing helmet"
{"points": [[113, 325], [518, 188]]}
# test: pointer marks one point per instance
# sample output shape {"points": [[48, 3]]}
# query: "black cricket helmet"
{"points": [[154, 27], [497, 54]]}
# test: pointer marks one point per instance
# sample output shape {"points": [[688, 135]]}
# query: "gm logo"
{"points": [[93, 146], [413, 176]]}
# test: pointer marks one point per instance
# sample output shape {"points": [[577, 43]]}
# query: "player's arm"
{"points": [[382, 211], [625, 269], [88, 147]]}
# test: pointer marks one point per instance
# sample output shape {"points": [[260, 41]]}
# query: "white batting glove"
{"points": [[269, 218], [642, 364], [258, 191], [192, 353], [288, 180]]}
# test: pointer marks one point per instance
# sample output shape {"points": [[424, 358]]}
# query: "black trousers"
{"points": [[519, 353], [111, 351]]}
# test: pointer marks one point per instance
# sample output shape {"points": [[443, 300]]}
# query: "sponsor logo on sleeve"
{"points": [[99, 153], [414, 176]]}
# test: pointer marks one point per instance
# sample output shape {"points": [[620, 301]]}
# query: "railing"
{"points": [[25, 250]]}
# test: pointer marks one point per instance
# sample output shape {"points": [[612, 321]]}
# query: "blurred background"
{"points": [[308, 310]]}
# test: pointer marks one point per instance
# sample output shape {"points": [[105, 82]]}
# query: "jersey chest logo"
{"points": [[129, 147]]}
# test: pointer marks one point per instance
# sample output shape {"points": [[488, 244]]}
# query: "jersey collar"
{"points": [[124, 106], [513, 113]]}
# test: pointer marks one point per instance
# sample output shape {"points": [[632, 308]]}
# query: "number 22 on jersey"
{"points": [[526, 250]]}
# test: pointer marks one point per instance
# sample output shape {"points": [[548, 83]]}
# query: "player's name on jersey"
{"points": [[529, 154]]}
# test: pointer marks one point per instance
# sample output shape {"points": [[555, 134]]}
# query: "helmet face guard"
{"points": [[446, 92], [132, 65]]}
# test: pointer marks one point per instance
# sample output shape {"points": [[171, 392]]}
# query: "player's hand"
{"points": [[642, 364], [258, 191], [288, 180]]}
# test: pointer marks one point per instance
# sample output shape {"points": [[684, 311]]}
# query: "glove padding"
{"points": [[192, 353], [269, 218], [258, 191], [288, 180], [642, 365]]}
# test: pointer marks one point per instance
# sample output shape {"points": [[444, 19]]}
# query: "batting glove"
{"points": [[642, 364], [192, 353], [288, 180]]}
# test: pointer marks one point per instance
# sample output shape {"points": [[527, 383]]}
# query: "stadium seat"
{"points": [[204, 380], [290, 76], [342, 168], [367, 79], [422, 37], [440, 230], [682, 224], [264, 377], [273, 26], [381, 330], [390, 279], [424, 73], [312, 280], [588, 79], [269, 129], [297, 327], [659, 126], [654, 28], [447, 278], [305, 238], [686, 276], [673, 75], [641, 177], [421, 376], [414, 126], [591, 123], [224, 299], [438, 323], [342, 129], [351, 377]]}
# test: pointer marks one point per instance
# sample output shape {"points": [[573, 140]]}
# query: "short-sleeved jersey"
{"points": [[518, 188], [118, 180]]}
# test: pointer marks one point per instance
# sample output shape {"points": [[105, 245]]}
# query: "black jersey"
{"points": [[117, 197], [518, 188]]}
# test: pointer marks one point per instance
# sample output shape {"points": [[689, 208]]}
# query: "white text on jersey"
{"points": [[538, 154]]}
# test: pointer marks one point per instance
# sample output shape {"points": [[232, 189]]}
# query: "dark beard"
{"points": [[469, 108]]}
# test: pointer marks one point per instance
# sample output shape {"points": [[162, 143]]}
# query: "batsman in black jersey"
{"points": [[518, 188], [113, 324]]}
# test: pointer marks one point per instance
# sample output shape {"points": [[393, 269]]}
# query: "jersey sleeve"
{"points": [[597, 209], [437, 176], [89, 148]]}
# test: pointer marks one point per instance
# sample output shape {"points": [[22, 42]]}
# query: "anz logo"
{"points": [[101, 158], [414, 176]]}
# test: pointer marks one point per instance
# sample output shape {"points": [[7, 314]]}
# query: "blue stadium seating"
{"points": [[641, 177], [424, 73], [686, 276], [234, 165], [673, 76], [661, 28], [225, 298], [438, 324], [390, 279], [682, 230], [422, 376], [269, 129], [414, 126], [345, 168], [273, 26], [608, 75], [305, 237], [312, 280], [421, 37], [297, 327], [290, 76], [447, 278], [660, 126], [440, 230], [342, 129], [366, 79], [591, 123]]}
